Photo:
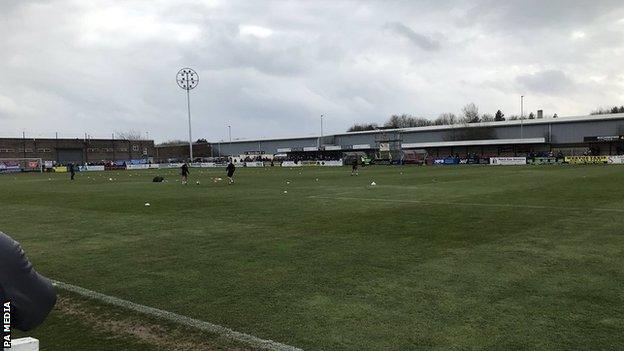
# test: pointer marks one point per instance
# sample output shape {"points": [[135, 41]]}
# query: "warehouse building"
{"points": [[77, 151]]}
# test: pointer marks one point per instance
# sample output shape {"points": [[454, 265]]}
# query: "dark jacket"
{"points": [[32, 296], [185, 169]]}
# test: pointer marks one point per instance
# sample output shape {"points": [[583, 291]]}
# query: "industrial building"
{"points": [[577, 135], [78, 151]]}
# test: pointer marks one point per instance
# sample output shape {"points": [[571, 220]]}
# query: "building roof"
{"points": [[569, 119], [474, 143], [506, 123], [186, 144], [75, 139]]}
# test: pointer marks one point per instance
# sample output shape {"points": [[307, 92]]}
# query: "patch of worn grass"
{"points": [[78, 323]]}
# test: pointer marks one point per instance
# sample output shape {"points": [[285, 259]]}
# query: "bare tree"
{"points": [[445, 119], [359, 127], [487, 118], [406, 121], [471, 113], [173, 142], [607, 110], [128, 135]]}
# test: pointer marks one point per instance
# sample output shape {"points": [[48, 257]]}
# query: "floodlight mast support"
{"points": [[521, 116], [188, 79], [230, 144], [320, 144], [188, 106]]}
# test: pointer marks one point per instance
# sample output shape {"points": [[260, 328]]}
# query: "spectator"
{"points": [[31, 295]]}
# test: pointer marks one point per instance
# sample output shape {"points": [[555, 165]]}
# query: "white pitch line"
{"points": [[538, 207], [338, 194], [177, 318]]}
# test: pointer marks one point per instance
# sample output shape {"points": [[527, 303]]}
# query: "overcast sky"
{"points": [[271, 68]]}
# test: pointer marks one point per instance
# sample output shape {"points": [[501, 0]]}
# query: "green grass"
{"points": [[425, 260], [78, 323]]}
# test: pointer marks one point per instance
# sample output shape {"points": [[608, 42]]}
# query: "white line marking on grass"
{"points": [[338, 194], [537, 207], [177, 318]]}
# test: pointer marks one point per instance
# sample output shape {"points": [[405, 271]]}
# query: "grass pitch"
{"points": [[431, 258]]}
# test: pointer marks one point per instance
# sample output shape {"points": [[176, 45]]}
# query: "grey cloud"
{"points": [[532, 15], [94, 70], [421, 41], [551, 82]]}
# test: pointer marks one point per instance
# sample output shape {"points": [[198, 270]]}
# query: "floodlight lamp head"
{"points": [[187, 78]]}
